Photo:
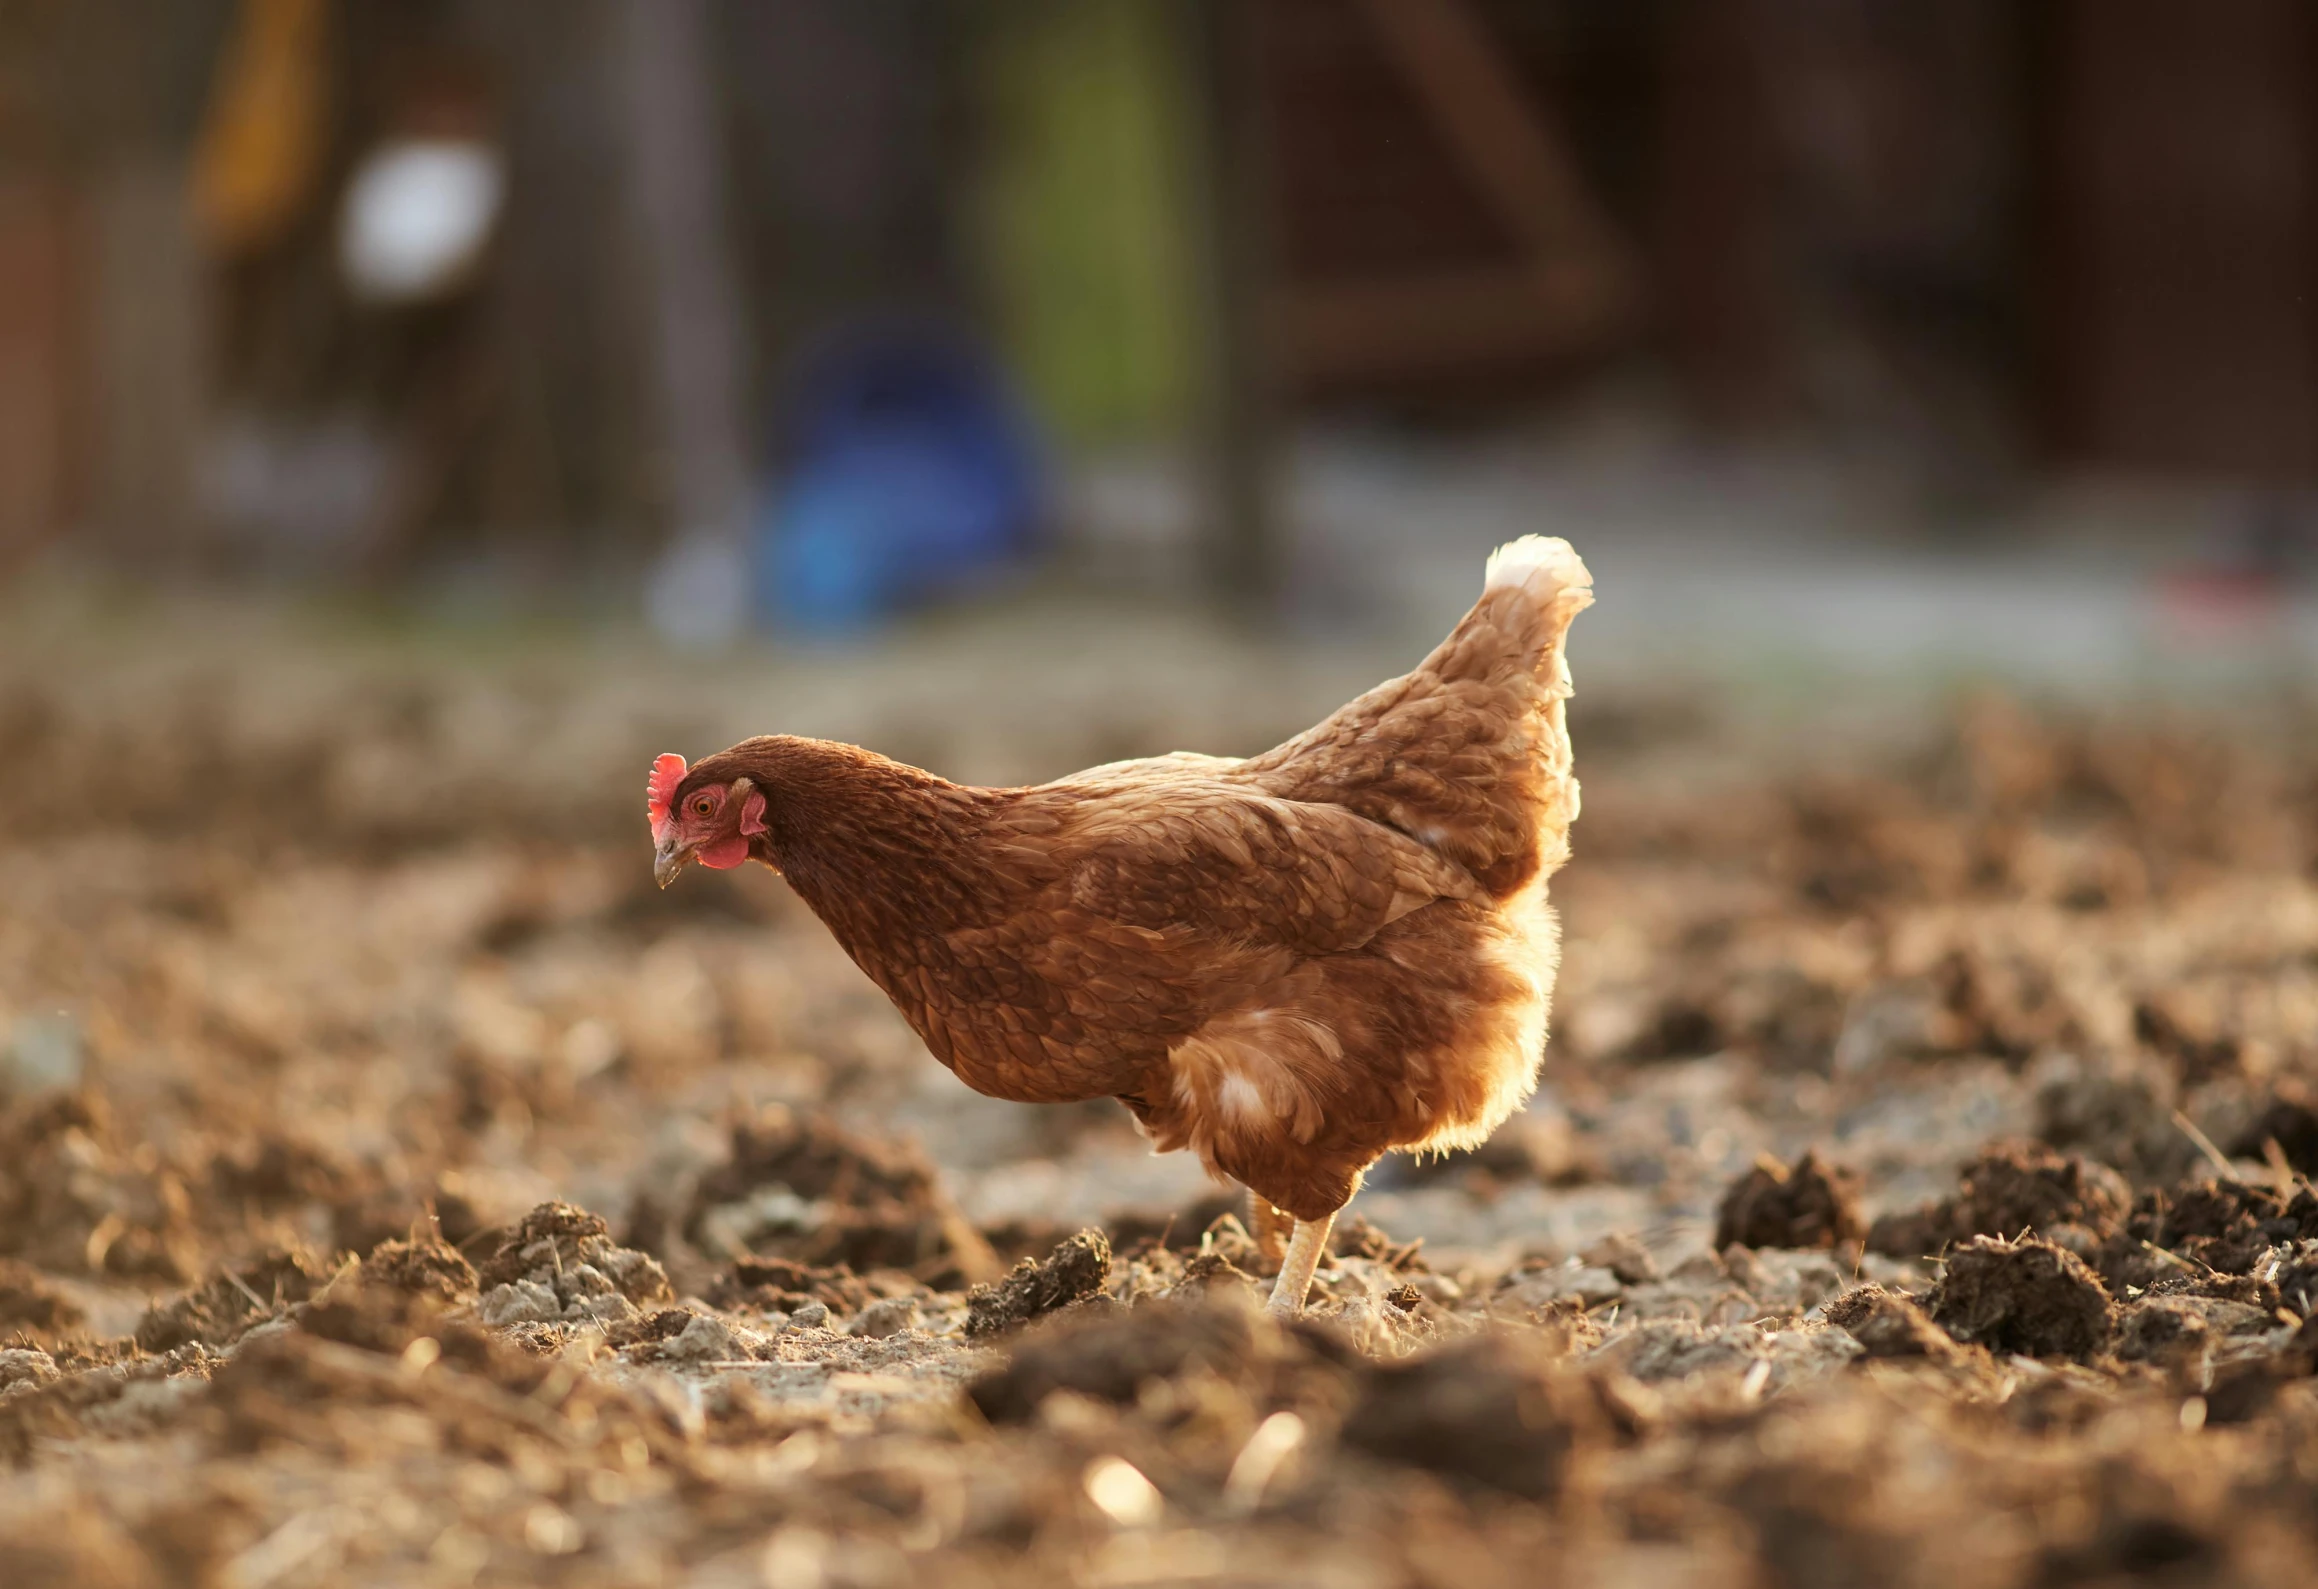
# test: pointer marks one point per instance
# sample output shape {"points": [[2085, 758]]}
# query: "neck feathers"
{"points": [[878, 849]]}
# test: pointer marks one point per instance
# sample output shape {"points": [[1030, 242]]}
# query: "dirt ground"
{"points": [[396, 1189]]}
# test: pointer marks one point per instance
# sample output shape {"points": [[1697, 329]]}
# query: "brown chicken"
{"points": [[1291, 964]]}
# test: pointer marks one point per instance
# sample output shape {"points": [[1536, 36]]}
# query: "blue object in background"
{"points": [[911, 473]]}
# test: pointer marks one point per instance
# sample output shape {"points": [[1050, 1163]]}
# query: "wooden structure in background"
{"points": [[2178, 288], [38, 366], [1981, 234], [692, 303], [1560, 279], [1237, 385]]}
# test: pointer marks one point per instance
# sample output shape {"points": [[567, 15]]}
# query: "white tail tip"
{"points": [[1545, 564]]}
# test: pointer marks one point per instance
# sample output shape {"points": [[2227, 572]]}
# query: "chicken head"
{"points": [[712, 823]]}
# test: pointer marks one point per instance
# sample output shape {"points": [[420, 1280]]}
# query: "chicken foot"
{"points": [[1270, 1227], [1304, 1250]]}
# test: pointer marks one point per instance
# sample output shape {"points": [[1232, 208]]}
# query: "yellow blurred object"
{"points": [[262, 141]]}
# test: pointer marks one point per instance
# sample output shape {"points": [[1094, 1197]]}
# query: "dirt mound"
{"points": [[2228, 1225], [2029, 1297], [783, 1285], [1496, 1410], [1076, 1270], [480, 1393], [1811, 1205], [1112, 1354], [2289, 1120], [32, 1308], [1887, 1324], [1358, 1237], [233, 1301], [422, 1266], [561, 1265], [456, 987], [799, 1186], [278, 1178], [2182, 1330], [2012, 1189], [75, 1198]]}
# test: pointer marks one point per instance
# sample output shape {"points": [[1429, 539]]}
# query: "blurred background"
{"points": [[415, 415], [1861, 335]]}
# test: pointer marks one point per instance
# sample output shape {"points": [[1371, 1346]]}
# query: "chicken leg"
{"points": [[1304, 1250], [1270, 1227]]}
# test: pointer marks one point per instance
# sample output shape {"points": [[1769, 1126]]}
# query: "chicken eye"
{"points": [[703, 807]]}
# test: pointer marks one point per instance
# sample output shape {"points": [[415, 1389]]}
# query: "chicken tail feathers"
{"points": [[1544, 564], [1469, 753], [1548, 571]]}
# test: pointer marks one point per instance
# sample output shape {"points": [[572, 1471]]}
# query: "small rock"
{"points": [[519, 1302], [810, 1316], [1805, 1354], [1662, 1350], [1438, 1288], [607, 1309], [886, 1317], [24, 1369], [1623, 1256], [1701, 1269], [1583, 1284], [638, 1275], [1788, 1278], [707, 1339], [583, 1280], [1744, 1270]]}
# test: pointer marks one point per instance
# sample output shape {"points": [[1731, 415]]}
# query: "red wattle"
{"points": [[726, 854]]}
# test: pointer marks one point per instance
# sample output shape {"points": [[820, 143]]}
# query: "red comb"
{"points": [[667, 772]]}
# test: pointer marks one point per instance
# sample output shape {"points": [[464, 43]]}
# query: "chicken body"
{"points": [[1290, 964]]}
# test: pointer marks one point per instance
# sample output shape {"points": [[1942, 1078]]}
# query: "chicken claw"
{"points": [[1270, 1227]]}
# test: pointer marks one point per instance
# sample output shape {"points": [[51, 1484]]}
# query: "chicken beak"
{"points": [[668, 860]]}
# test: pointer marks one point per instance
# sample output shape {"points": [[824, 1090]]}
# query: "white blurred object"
{"points": [[698, 595], [1118, 1488], [1276, 1439], [43, 1053], [417, 215]]}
